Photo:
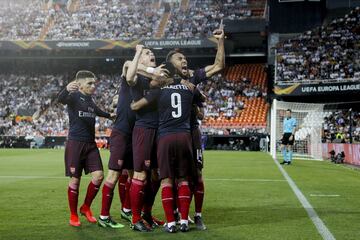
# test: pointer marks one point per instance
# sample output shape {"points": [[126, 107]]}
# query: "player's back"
{"points": [[148, 115], [125, 117], [174, 105]]}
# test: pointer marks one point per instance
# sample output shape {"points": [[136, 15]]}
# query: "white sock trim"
{"points": [[170, 224], [183, 221], [126, 210], [198, 214], [103, 217]]}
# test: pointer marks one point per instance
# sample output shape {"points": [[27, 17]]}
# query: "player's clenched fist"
{"points": [[139, 48], [72, 87], [219, 33]]}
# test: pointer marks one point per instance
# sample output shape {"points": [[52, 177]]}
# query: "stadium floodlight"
{"points": [[310, 118]]}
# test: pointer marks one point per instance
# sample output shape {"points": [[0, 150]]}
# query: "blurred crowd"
{"points": [[103, 19], [327, 52], [117, 19], [22, 19], [336, 127], [203, 16], [29, 106]]}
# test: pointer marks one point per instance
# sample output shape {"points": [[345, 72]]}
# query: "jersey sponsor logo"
{"points": [[87, 114]]}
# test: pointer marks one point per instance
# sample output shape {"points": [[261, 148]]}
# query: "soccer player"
{"points": [[197, 113], [144, 144], [81, 152], [120, 154], [287, 141], [174, 151]]}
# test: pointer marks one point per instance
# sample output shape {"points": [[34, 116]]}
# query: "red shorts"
{"points": [[175, 156], [144, 148], [121, 156], [197, 148], [81, 155]]}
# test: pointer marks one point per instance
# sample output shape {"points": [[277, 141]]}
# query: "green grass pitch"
{"points": [[246, 198]]}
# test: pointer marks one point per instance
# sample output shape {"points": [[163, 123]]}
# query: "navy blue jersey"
{"points": [[197, 103], [199, 76], [148, 116], [125, 117], [82, 112], [174, 106]]}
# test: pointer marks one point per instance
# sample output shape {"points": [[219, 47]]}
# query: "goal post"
{"points": [[309, 118]]}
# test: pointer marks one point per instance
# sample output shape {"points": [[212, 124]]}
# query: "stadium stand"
{"points": [[200, 18], [330, 52], [125, 20], [336, 127], [107, 20], [22, 19], [237, 99]]}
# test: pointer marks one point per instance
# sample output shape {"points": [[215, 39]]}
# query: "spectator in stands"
{"points": [[327, 52], [117, 19], [336, 127]]}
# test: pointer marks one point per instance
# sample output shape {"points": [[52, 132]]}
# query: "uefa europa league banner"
{"points": [[107, 44], [297, 89]]}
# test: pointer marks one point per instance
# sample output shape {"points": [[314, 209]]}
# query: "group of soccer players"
{"points": [[155, 141]]}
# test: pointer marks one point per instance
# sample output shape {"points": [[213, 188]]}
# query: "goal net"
{"points": [[309, 118]]}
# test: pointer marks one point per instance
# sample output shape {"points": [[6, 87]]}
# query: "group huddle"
{"points": [[155, 141]]}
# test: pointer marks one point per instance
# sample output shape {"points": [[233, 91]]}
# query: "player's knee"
{"points": [[140, 176], [97, 178], [74, 182], [166, 181], [112, 176]]}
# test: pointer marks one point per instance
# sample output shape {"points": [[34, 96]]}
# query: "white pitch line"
{"points": [[324, 195], [245, 180], [207, 179], [319, 224], [31, 177]]}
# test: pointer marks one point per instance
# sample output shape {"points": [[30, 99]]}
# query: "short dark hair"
{"points": [[171, 53], [82, 74], [288, 110], [147, 48]]}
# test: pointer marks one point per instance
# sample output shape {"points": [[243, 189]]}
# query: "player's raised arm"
{"points": [[132, 69], [64, 96], [219, 63], [152, 72]]}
